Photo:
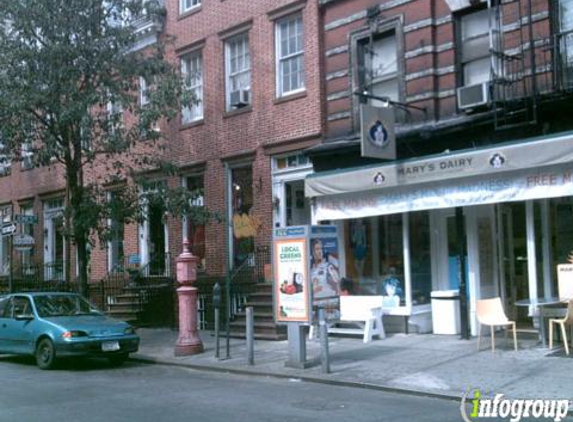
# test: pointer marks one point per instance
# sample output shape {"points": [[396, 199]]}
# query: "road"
{"points": [[94, 391]]}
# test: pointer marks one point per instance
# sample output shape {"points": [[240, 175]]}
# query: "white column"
{"points": [[531, 259]]}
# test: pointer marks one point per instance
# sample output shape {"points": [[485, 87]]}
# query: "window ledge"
{"points": [[237, 111], [191, 124], [190, 12], [290, 97]]}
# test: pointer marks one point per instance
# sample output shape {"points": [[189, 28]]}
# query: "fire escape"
{"points": [[529, 63]]}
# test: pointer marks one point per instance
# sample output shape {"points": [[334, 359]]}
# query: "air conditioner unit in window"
{"points": [[240, 98], [473, 96]]}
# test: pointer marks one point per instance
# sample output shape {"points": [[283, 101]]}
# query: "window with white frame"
{"points": [[27, 155], [6, 218], [186, 5], [474, 55], [192, 72], [143, 91], [290, 55], [26, 256], [5, 160], [379, 74], [238, 71], [115, 115]]}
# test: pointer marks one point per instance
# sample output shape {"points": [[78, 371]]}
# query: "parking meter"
{"points": [[216, 296]]}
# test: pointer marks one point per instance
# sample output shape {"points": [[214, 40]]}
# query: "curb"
{"points": [[310, 379]]}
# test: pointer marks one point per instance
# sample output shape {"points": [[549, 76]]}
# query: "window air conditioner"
{"points": [[473, 96], [240, 98]]}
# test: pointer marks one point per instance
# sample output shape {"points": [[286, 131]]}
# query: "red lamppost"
{"points": [[188, 342]]}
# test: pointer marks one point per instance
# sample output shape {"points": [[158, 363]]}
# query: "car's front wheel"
{"points": [[45, 354], [118, 359]]}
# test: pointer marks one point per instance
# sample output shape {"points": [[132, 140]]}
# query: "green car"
{"points": [[55, 325]]}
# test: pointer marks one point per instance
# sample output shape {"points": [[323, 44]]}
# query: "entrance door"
{"points": [[156, 241], [444, 250]]}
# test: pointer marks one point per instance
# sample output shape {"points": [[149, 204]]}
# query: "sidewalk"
{"points": [[429, 364]]}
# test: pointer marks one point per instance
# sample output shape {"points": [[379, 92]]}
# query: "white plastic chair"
{"points": [[567, 320], [490, 312]]}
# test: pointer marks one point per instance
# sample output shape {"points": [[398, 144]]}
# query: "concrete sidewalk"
{"points": [[428, 364]]}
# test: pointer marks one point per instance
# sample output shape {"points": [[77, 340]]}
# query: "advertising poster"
{"points": [[565, 280], [325, 270], [291, 289]]}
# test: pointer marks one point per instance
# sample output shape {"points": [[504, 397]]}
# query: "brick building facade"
{"points": [[254, 67], [468, 83]]}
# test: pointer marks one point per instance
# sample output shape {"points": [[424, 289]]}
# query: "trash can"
{"points": [[446, 311]]}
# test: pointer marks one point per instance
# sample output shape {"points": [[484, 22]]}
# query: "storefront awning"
{"points": [[529, 169]]}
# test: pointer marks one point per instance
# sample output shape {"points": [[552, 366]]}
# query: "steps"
{"points": [[265, 328], [125, 306]]}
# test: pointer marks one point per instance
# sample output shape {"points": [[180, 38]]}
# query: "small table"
{"points": [[543, 303]]}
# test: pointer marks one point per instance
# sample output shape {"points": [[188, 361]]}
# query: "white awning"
{"points": [[531, 169]]}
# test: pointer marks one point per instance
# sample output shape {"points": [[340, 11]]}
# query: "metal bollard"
{"points": [[250, 336], [323, 330], [217, 306]]}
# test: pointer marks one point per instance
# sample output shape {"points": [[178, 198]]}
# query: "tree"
{"points": [[70, 74]]}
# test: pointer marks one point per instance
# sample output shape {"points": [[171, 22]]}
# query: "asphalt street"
{"points": [[94, 391]]}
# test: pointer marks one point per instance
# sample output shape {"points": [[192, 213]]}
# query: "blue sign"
{"points": [[133, 259]]}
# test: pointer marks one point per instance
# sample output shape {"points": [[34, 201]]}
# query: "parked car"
{"points": [[51, 325]]}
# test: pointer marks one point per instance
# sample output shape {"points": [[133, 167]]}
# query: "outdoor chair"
{"points": [[567, 320], [490, 312]]}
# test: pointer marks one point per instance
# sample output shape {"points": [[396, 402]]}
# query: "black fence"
{"points": [[144, 301], [243, 281]]}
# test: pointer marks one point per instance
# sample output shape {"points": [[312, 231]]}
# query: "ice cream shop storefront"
{"points": [[402, 224]]}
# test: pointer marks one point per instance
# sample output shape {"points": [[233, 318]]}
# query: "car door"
{"points": [[5, 314], [19, 334]]}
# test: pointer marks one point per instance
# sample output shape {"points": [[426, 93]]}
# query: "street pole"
{"points": [[228, 257], [460, 229]]}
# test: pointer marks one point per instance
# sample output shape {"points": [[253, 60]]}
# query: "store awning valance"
{"points": [[530, 169]]}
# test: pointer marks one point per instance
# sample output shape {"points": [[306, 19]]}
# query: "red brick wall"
{"points": [[220, 135]]}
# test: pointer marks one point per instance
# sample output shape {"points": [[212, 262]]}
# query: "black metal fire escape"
{"points": [[514, 87]]}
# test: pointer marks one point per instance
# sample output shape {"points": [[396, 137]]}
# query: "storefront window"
{"points": [[391, 263], [420, 257]]}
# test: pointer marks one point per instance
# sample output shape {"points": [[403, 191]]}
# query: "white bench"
{"points": [[365, 312]]}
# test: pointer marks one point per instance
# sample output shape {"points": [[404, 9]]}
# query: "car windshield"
{"points": [[63, 305]]}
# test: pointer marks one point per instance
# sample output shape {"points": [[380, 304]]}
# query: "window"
{"points": [[116, 253], [291, 162], [186, 5], [5, 160], [5, 261], [565, 21], [115, 115], [245, 224], [379, 70], [290, 55], [27, 155], [195, 223], [143, 91], [475, 57], [26, 256], [192, 71], [238, 71]]}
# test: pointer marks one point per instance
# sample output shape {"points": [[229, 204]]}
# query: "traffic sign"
{"points": [[8, 229], [23, 242], [26, 219]]}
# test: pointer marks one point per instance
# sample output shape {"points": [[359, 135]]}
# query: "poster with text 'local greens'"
{"points": [[291, 290]]}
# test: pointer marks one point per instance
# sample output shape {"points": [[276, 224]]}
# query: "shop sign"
{"points": [[502, 159], [565, 280], [378, 139], [547, 182]]}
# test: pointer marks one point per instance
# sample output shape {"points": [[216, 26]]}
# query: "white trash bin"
{"points": [[446, 311]]}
